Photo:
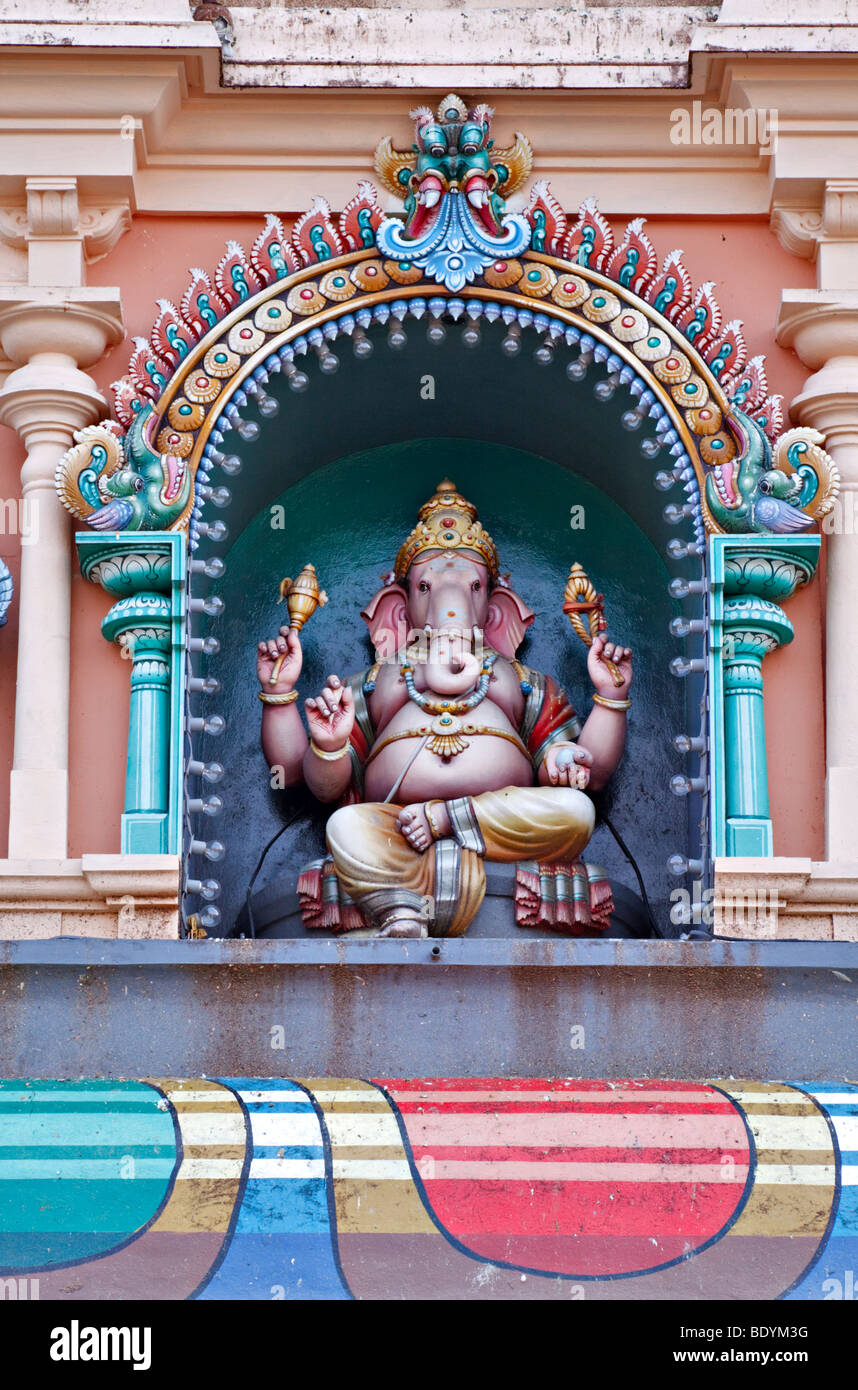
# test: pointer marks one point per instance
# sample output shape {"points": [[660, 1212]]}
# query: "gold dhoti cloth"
{"points": [[379, 870]]}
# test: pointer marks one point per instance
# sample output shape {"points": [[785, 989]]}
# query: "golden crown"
{"points": [[447, 521]]}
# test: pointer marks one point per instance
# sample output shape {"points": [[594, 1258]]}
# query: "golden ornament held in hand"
{"points": [[303, 596]]}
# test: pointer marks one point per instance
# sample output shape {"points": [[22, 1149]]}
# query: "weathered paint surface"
{"points": [[440, 1188]]}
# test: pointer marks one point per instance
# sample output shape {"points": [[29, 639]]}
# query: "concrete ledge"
{"points": [[481, 1008], [562, 952], [785, 900], [100, 895]]}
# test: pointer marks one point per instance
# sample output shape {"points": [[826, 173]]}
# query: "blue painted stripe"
{"points": [[282, 1246], [288, 1151]]}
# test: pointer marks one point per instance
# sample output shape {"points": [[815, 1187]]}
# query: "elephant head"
{"points": [[444, 612]]}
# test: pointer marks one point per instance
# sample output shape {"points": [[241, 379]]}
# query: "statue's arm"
{"points": [[604, 737], [284, 739], [327, 765], [604, 733]]}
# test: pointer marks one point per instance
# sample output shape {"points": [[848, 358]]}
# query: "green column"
{"points": [[753, 627], [141, 626], [750, 576], [141, 574]]}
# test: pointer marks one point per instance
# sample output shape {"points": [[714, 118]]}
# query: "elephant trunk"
{"points": [[451, 668]]}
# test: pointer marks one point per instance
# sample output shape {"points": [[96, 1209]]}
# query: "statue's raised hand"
{"points": [[331, 715], [285, 645], [599, 654]]}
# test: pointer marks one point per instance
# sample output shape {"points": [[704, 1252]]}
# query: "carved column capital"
{"points": [[822, 228], [58, 232]]}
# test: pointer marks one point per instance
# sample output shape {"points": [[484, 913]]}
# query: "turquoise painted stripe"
{"points": [[83, 1131], [80, 1086], [61, 1152], [92, 1169], [116, 1207], [144, 1097], [88, 1110]]}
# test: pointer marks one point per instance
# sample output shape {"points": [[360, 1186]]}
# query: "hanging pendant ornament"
{"points": [[581, 600], [303, 596], [446, 738]]}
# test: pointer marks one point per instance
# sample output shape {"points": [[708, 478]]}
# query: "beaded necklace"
{"points": [[450, 706]]}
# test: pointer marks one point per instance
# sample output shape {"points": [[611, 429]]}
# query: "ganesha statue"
{"points": [[447, 752]]}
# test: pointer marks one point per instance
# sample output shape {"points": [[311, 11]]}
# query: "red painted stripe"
{"points": [[505, 1083], [654, 1210], [574, 1107]]}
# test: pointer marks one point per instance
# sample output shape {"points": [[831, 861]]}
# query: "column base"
{"points": [[38, 813], [785, 900], [749, 836], [113, 896]]}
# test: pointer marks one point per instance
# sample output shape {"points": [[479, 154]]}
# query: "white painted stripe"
{"points": [[849, 1175], [800, 1174], [178, 1096], [275, 1098], [363, 1129], [200, 1127], [846, 1129], [502, 1171], [790, 1131], [836, 1097], [285, 1130], [210, 1168], [287, 1168], [372, 1169], [769, 1098], [349, 1097]]}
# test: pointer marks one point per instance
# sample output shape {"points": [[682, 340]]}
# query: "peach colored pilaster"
{"points": [[822, 326], [49, 331]]}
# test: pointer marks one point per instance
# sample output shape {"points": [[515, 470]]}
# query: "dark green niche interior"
{"points": [[348, 518]]}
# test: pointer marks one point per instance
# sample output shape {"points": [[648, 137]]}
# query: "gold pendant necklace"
{"points": [[446, 739]]}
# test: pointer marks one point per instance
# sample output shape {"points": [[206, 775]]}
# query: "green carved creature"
{"points": [[773, 492], [122, 484]]}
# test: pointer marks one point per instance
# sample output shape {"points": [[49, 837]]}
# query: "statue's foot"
{"points": [[402, 923], [419, 830]]}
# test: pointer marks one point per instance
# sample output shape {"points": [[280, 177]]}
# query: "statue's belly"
{"points": [[488, 762]]}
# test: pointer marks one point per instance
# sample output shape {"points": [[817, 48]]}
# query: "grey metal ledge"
{"points": [[486, 952]]}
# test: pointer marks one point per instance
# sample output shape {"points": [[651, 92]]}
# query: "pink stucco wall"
{"points": [[151, 261]]}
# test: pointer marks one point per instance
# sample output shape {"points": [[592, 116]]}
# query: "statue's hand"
{"points": [[568, 765], [269, 653], [601, 652], [331, 716]]}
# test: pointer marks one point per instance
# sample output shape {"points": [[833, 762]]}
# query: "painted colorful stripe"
{"points": [[282, 1244], [430, 1188]]}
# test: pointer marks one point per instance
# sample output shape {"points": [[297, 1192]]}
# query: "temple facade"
{"points": [[428, 569]]}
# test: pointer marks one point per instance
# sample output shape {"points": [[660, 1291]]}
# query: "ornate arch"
{"points": [[456, 255]]}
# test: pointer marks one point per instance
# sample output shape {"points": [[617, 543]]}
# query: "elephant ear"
{"points": [[508, 619], [385, 617]]}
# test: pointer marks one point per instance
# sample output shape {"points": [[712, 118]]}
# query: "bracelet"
{"points": [[278, 699], [330, 757], [611, 704]]}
